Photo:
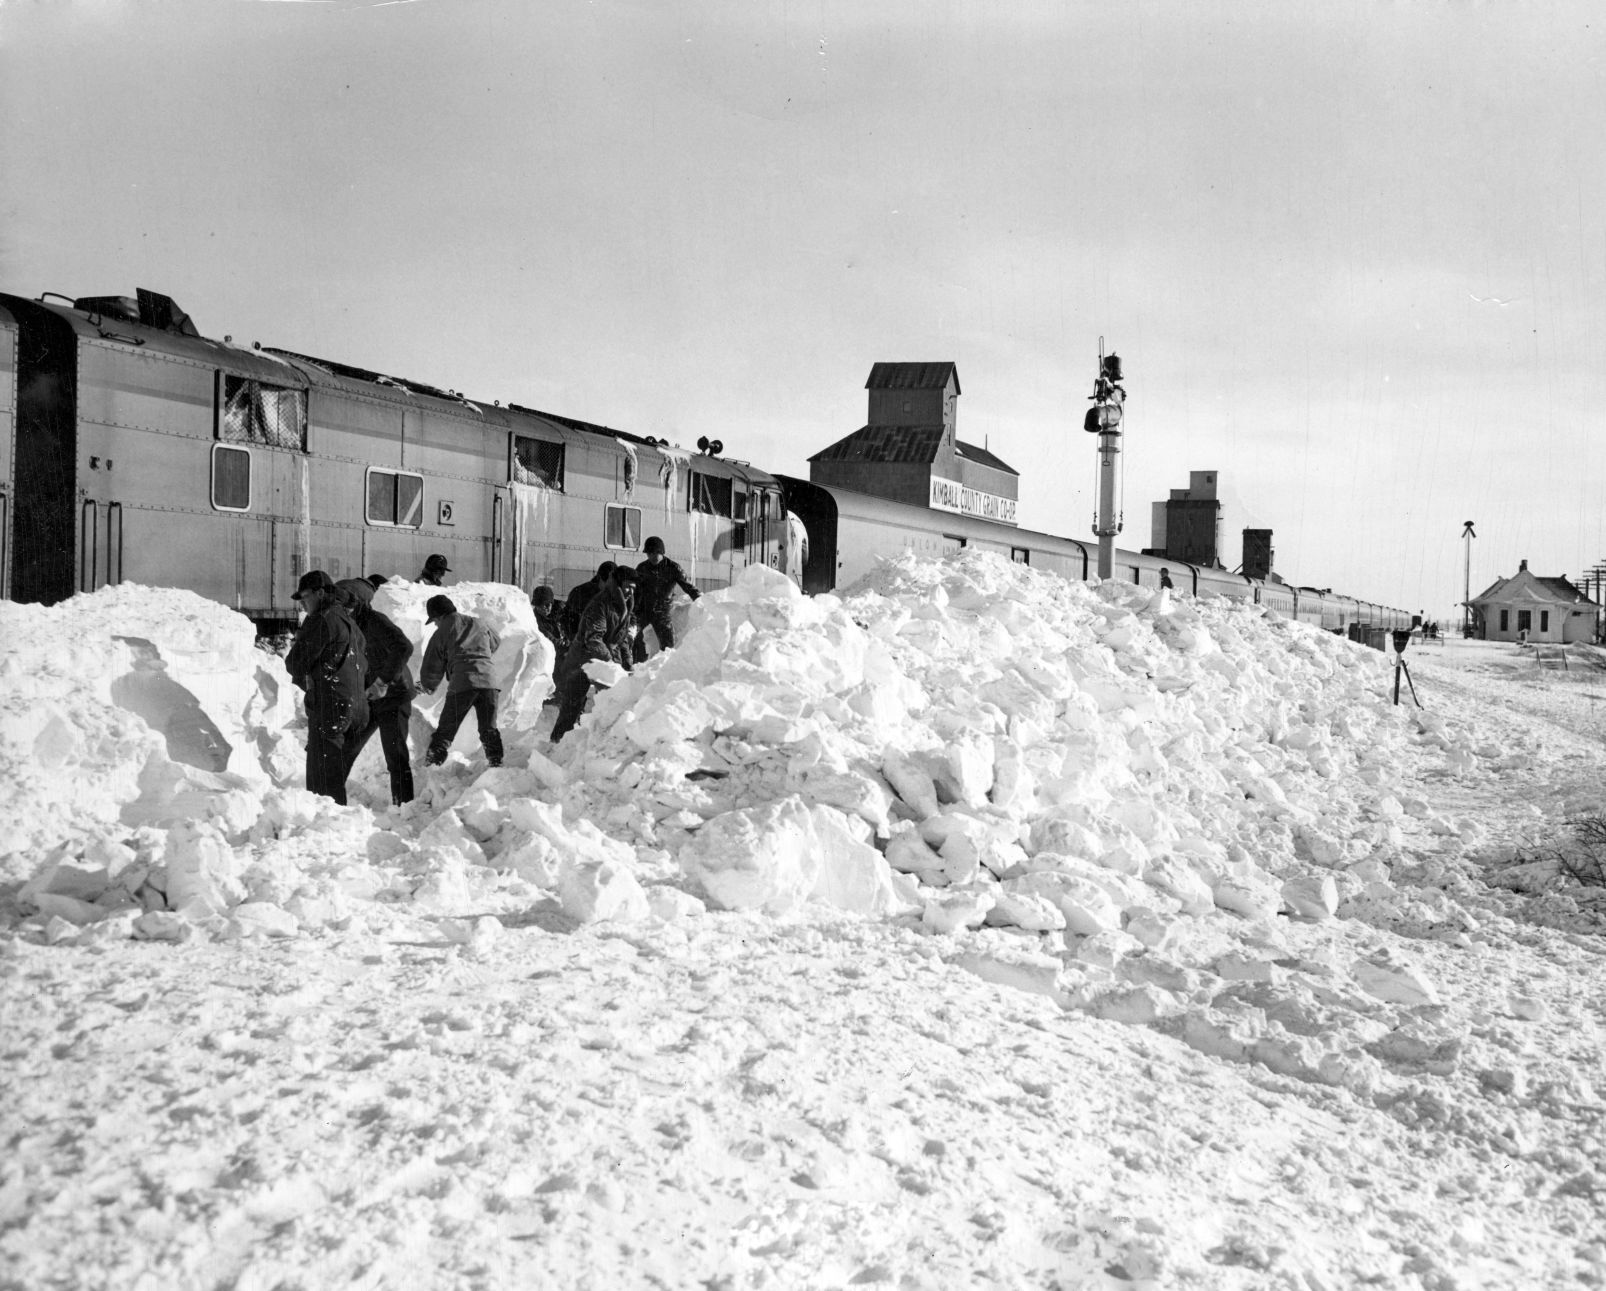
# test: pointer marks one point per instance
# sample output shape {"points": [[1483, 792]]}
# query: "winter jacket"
{"points": [[606, 631], [387, 648], [574, 605], [460, 651], [388, 653], [328, 660], [655, 589], [553, 631]]}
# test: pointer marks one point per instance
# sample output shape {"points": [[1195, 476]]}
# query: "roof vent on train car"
{"points": [[162, 312], [123, 308], [148, 308]]}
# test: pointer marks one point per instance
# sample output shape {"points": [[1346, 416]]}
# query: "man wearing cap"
{"points": [[389, 687], [607, 627], [655, 596], [328, 662], [460, 652], [435, 571]]}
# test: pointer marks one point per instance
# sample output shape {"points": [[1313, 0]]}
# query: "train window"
{"points": [[622, 528], [536, 461], [254, 412], [739, 514], [395, 498], [231, 478], [709, 494], [1020, 555]]}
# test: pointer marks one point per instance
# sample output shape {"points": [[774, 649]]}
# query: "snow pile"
{"points": [[1123, 796], [134, 705], [969, 926], [154, 755]]}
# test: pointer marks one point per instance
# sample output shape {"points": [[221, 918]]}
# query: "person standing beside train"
{"points": [[575, 603], [546, 618], [655, 595], [607, 628], [328, 662], [390, 688], [460, 654], [435, 571]]}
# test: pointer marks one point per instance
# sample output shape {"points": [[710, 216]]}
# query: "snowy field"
{"points": [[974, 929]]}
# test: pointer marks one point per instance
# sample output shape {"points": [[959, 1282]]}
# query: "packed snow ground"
{"points": [[972, 929]]}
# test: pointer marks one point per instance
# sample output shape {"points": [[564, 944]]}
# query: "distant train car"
{"points": [[144, 452], [848, 532]]}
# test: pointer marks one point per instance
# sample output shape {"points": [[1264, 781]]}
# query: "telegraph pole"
{"points": [[1597, 577], [1466, 587], [1104, 420]]}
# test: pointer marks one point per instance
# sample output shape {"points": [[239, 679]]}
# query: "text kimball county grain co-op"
{"points": [[950, 495]]}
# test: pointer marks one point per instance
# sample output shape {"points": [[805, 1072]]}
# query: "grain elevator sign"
{"points": [[951, 495]]}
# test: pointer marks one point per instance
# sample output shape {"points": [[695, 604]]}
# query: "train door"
{"points": [[741, 496], [44, 566], [764, 533]]}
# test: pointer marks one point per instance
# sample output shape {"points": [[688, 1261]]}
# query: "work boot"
{"points": [[493, 748]]}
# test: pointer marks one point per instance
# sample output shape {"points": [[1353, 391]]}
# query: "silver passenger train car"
{"points": [[133, 449]]}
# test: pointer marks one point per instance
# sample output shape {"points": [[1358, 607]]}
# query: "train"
{"points": [[134, 449], [849, 531]]}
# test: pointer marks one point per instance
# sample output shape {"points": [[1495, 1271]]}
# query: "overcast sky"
{"points": [[1352, 256]]}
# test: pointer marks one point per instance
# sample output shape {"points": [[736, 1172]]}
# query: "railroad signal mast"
{"points": [[1104, 420]]}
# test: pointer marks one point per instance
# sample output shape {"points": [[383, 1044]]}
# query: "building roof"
{"points": [[1527, 586], [884, 444], [912, 376], [982, 457]]}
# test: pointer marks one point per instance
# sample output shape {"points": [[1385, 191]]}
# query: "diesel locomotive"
{"points": [[134, 449]]}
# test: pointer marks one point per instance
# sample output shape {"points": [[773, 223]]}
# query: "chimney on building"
{"points": [[1258, 553]]}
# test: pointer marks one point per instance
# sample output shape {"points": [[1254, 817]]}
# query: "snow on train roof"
{"points": [[975, 924]]}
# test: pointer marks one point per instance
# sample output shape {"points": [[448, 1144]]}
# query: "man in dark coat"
{"points": [[328, 662], [655, 596], [390, 688], [460, 654], [435, 571], [546, 618], [575, 603], [607, 627]]}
